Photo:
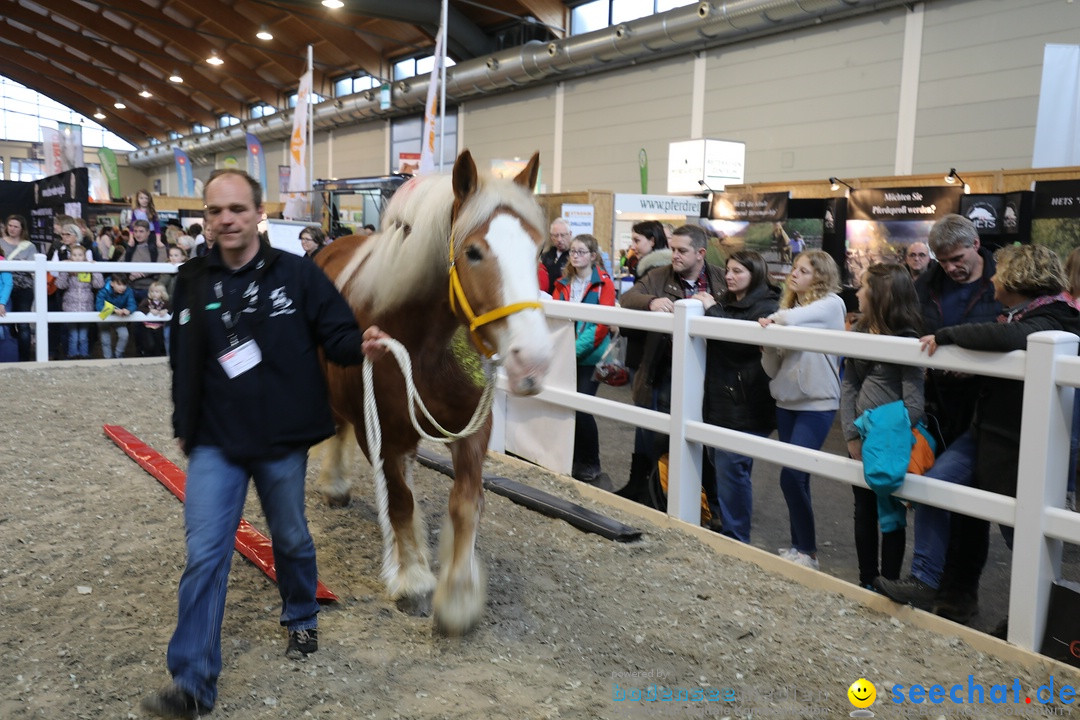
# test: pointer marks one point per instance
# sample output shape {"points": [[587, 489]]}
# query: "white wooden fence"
{"points": [[40, 317], [1049, 368]]}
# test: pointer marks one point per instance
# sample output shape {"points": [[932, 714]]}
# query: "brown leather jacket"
{"points": [[655, 368]]}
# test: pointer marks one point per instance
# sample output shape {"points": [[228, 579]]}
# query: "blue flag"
{"points": [[256, 163], [185, 178]]}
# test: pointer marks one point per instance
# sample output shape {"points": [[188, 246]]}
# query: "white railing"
{"points": [[1049, 369], [40, 317]]}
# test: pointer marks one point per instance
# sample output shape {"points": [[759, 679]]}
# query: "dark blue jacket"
{"points": [[982, 307], [280, 404]]}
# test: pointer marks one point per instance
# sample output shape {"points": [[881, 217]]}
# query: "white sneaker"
{"points": [[804, 559], [787, 553]]}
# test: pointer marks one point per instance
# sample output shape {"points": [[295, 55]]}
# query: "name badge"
{"points": [[238, 360]]}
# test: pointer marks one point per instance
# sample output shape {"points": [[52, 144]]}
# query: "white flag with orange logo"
{"points": [[297, 202], [431, 110]]}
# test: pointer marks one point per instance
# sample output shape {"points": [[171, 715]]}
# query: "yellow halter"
{"points": [[457, 298]]}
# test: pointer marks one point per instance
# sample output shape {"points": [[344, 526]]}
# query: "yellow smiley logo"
{"points": [[862, 693]]}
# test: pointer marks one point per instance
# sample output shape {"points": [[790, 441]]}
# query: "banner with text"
{"points": [[881, 223], [1056, 216], [751, 207]]}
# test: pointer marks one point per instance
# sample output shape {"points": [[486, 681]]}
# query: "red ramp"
{"points": [[251, 543]]}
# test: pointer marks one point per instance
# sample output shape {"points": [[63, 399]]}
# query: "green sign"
{"points": [[643, 166], [108, 167]]}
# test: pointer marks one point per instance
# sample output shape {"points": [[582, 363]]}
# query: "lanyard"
{"points": [[230, 315]]}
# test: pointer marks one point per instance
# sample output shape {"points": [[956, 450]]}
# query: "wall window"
{"points": [[599, 14], [354, 84], [316, 98], [262, 110], [226, 120], [405, 138], [26, 170], [412, 67], [23, 111], [198, 128]]}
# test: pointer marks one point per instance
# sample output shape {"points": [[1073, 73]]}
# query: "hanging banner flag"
{"points": [[54, 153], [296, 206], [431, 110], [184, 177], [107, 159], [256, 163], [71, 147], [284, 171], [643, 169]]}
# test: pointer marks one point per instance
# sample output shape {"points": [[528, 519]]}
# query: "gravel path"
{"points": [[95, 549]]}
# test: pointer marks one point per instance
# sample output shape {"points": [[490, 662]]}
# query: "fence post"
{"points": [[1044, 450], [687, 392], [41, 308]]}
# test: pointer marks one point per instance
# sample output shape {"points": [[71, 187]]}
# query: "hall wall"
{"points": [[810, 103]]}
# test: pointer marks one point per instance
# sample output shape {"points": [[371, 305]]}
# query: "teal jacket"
{"points": [[886, 454], [592, 338]]}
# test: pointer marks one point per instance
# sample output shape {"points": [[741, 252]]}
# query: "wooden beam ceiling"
{"points": [[88, 53]]}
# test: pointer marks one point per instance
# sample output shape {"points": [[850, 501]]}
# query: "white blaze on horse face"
{"points": [[525, 347]]}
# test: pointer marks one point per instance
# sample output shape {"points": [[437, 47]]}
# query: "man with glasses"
{"points": [[917, 259], [955, 291], [554, 257]]}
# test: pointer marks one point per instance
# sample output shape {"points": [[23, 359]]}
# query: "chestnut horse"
{"points": [[453, 250]]}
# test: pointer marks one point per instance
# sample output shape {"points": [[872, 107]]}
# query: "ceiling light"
{"points": [[146, 93], [119, 105], [99, 115], [333, 4], [214, 59], [175, 78], [264, 34]]}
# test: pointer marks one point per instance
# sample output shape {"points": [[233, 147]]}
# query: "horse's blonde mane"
{"points": [[410, 257]]}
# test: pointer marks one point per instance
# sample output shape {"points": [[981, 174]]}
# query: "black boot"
{"points": [[637, 489]]}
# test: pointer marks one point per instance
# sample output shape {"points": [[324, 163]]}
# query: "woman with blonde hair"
{"points": [[806, 385]]}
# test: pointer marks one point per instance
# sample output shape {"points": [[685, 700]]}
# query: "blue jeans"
{"points": [[808, 429], [956, 465], [78, 341], [216, 489], [734, 491]]}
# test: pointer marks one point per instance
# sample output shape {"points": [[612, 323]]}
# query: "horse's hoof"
{"points": [[336, 501], [415, 605], [448, 629]]}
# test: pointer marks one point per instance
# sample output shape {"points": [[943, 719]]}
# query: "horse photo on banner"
{"points": [[881, 223]]}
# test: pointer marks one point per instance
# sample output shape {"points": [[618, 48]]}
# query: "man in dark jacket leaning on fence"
{"points": [[657, 291]]}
